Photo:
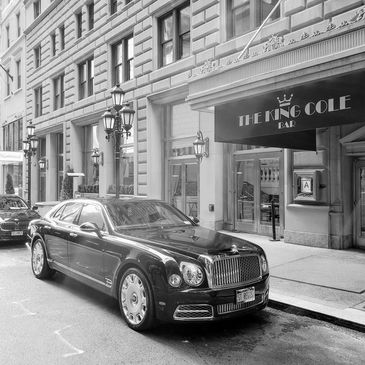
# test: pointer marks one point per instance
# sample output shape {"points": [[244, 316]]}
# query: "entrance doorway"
{"points": [[359, 200], [258, 184]]}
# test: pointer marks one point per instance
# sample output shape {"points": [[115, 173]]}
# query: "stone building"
{"points": [[283, 118]]}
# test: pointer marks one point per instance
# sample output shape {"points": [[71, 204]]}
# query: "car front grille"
{"points": [[233, 307], [232, 270], [193, 312], [13, 226]]}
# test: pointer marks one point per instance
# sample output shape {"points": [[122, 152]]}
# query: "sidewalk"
{"points": [[325, 283]]}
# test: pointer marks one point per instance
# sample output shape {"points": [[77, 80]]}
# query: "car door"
{"points": [[56, 232], [86, 248]]}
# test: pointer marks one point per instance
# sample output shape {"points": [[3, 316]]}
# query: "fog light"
{"points": [[175, 280]]}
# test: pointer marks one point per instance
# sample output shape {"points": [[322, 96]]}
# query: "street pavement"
{"points": [[324, 283]]}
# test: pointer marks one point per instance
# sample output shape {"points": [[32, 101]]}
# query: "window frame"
{"points": [[59, 92], [61, 32], [175, 38], [36, 8], [18, 64], [86, 87], [53, 44], [113, 6], [18, 31], [91, 15], [37, 56], [78, 17], [256, 17], [7, 30], [127, 61], [38, 92]]}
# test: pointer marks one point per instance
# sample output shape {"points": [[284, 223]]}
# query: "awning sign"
{"points": [[270, 119]]}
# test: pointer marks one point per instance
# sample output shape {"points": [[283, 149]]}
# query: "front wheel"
{"points": [[40, 267], [135, 300]]}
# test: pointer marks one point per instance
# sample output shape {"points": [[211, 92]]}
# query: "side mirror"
{"points": [[35, 208], [90, 228], [196, 220]]}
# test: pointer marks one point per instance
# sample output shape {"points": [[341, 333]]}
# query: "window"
{"points": [[60, 160], [174, 33], [13, 135], [79, 24], [69, 213], [123, 54], [61, 30], [18, 31], [113, 6], [245, 15], [37, 56], [86, 78], [37, 8], [7, 36], [90, 142], [8, 82], [59, 92], [18, 74], [93, 214], [53, 44], [90, 11], [38, 101]]}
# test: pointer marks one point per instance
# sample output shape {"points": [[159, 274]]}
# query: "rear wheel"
{"points": [[135, 300], [40, 267]]}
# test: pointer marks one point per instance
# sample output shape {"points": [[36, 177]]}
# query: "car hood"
{"points": [[21, 215], [191, 241]]}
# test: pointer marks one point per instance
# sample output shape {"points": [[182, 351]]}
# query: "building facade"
{"points": [[12, 95], [283, 118]]}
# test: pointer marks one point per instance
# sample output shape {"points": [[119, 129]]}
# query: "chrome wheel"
{"points": [[38, 258], [133, 299]]}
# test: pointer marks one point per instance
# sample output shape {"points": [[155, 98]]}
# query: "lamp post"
{"points": [[30, 146], [118, 122]]}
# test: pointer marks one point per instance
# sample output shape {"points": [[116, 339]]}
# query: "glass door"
{"points": [[258, 187], [183, 187], [359, 202]]}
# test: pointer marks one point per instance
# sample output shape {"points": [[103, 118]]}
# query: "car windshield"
{"points": [[12, 203], [138, 214]]}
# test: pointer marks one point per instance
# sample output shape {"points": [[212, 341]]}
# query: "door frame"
{"points": [[358, 241], [256, 155]]}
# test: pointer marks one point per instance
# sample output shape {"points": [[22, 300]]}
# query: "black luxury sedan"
{"points": [[158, 263], [15, 216]]}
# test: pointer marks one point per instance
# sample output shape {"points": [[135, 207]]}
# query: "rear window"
{"points": [[12, 203]]}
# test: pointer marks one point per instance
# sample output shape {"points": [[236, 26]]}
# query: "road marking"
{"points": [[26, 311], [75, 349]]}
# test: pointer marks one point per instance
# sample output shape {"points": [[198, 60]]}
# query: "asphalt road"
{"points": [[63, 322]]}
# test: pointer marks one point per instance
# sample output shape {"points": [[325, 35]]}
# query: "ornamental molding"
{"points": [[278, 43]]}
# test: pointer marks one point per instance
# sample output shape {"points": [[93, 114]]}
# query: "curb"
{"points": [[293, 309]]}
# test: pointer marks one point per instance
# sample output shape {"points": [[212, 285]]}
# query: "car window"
{"points": [[9, 203], [70, 212], [93, 214], [58, 212]]}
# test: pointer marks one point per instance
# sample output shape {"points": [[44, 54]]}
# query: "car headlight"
{"points": [[175, 280], [192, 274], [264, 264]]}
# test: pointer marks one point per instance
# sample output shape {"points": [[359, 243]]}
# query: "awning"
{"points": [[8, 157], [289, 118]]}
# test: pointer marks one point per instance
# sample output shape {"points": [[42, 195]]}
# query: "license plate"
{"points": [[245, 295], [17, 233]]}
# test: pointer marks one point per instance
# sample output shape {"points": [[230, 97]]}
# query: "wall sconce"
{"points": [[43, 164], [97, 156], [201, 146]]}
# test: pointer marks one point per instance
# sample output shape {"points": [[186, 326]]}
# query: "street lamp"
{"points": [[201, 146], [118, 122], [30, 146]]}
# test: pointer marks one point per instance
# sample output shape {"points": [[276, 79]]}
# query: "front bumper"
{"points": [[8, 236], [210, 304]]}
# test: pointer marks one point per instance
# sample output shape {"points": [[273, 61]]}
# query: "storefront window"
{"points": [[90, 169], [12, 178], [42, 172], [59, 164]]}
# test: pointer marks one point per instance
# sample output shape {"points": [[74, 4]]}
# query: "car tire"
{"points": [[40, 267], [136, 300]]}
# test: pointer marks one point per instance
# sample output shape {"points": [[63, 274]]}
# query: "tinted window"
{"points": [[13, 202], [92, 214], [144, 213], [70, 212]]}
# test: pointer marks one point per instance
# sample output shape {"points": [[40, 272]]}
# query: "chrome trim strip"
{"points": [[77, 272], [177, 310]]}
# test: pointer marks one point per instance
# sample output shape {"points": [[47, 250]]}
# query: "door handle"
{"points": [[73, 234], [47, 227]]}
